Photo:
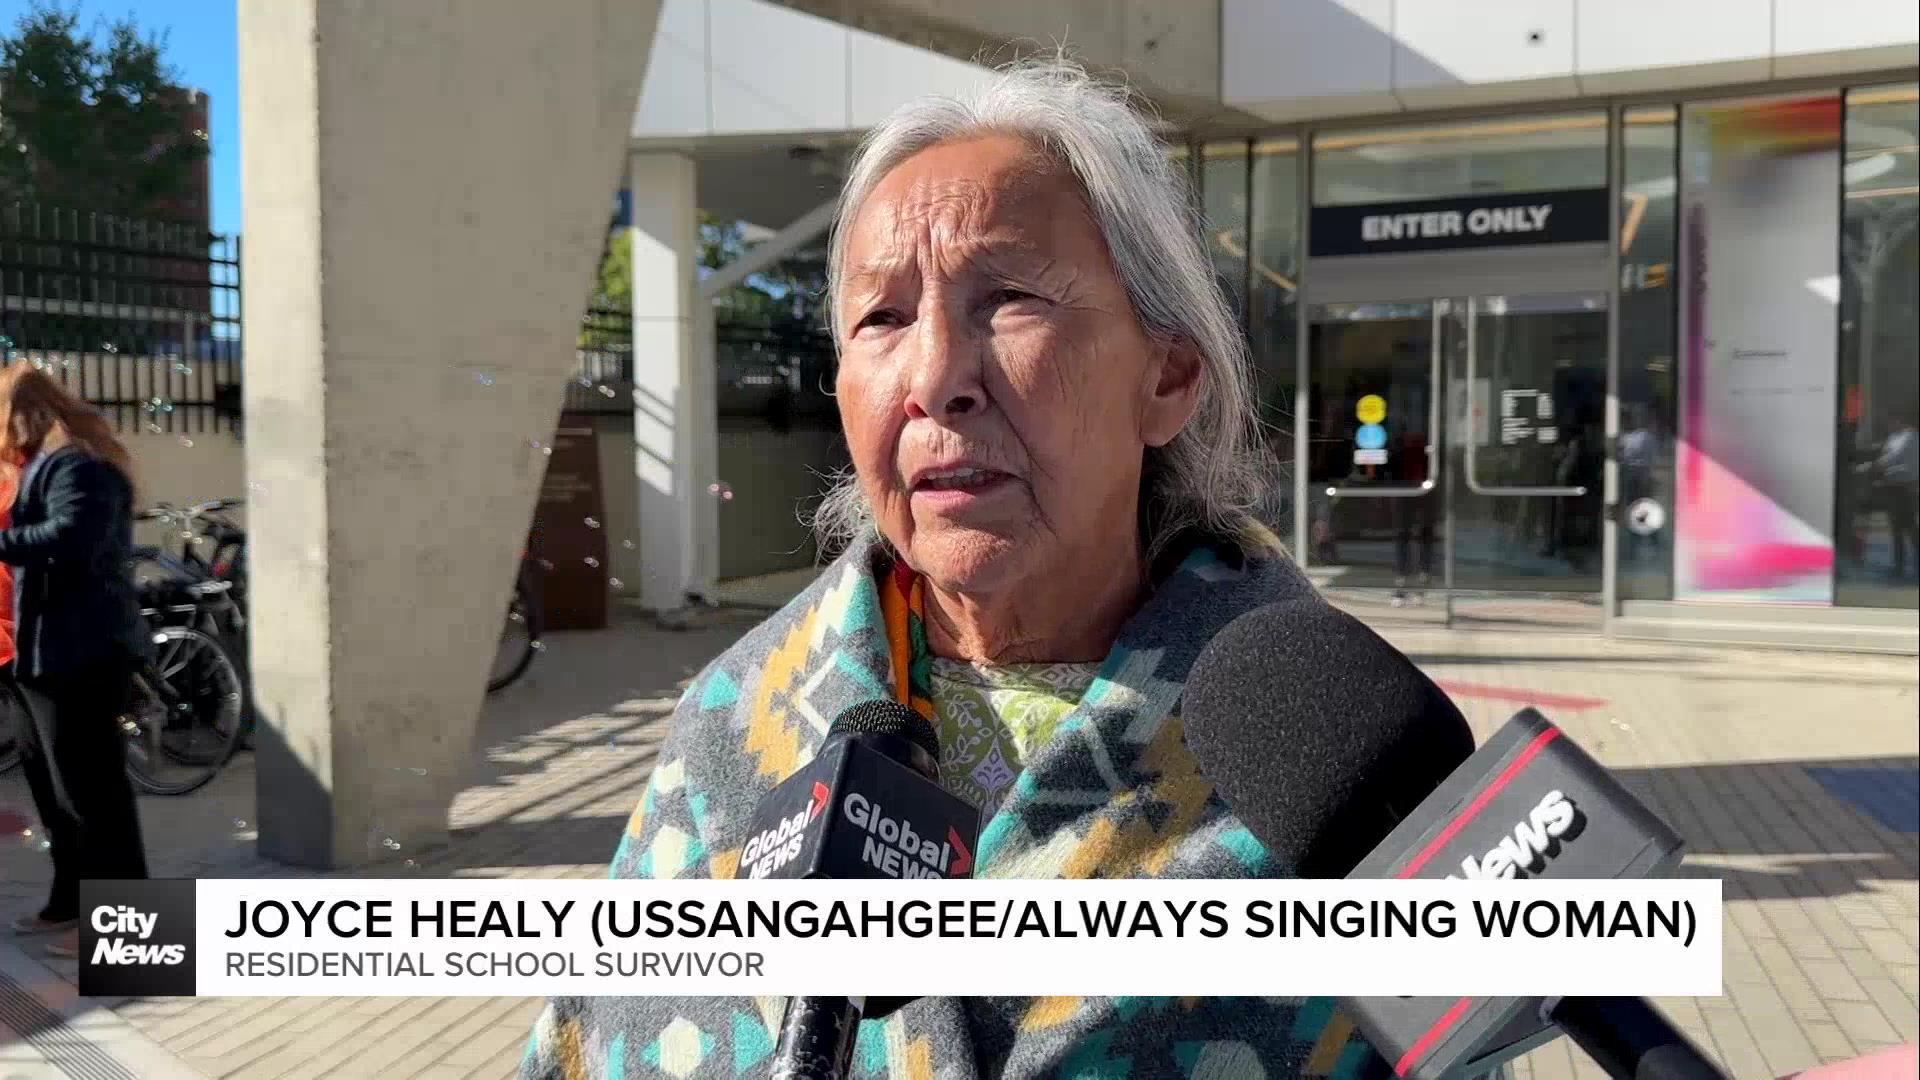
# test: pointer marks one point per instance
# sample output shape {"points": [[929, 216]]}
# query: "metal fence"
{"points": [[781, 377], [140, 317]]}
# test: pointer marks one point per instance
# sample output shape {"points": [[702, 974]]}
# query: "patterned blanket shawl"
{"points": [[1114, 794]]}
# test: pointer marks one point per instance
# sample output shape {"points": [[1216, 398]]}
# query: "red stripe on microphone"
{"points": [[1480, 801], [1452, 1016], [1440, 1027]]}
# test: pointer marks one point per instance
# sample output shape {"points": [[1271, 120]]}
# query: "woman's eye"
{"points": [[1008, 296], [881, 318]]}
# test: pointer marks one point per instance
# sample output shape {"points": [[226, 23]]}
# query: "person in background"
{"points": [[1895, 474], [77, 635]]}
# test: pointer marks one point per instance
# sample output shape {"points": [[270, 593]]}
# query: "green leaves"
{"points": [[96, 121]]}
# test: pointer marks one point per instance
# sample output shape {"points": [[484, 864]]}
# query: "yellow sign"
{"points": [[1371, 409]]}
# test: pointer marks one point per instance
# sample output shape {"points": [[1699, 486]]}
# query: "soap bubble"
{"points": [[592, 523], [239, 823], [186, 442], [616, 584], [539, 646], [606, 391], [628, 544], [591, 561], [483, 378], [183, 369]]}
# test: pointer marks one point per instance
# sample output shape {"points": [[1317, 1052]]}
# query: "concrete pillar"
{"points": [[426, 191], [669, 427]]}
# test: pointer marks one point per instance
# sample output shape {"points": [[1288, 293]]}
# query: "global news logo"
{"points": [[136, 938]]}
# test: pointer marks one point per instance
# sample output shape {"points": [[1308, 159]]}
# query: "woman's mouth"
{"points": [[958, 488], [965, 479]]}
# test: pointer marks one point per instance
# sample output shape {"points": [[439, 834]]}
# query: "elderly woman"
{"points": [[1055, 468]]}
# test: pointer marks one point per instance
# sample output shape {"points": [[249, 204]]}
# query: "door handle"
{"points": [[1380, 493]]}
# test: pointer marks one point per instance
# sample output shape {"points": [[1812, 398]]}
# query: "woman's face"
{"points": [[996, 388]]}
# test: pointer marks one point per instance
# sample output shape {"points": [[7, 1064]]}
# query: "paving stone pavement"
{"points": [[1792, 776]]}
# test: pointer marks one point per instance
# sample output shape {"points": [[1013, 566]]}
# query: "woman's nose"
{"points": [[947, 378]]}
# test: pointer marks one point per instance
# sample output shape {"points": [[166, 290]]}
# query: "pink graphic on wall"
{"points": [[1754, 483]]}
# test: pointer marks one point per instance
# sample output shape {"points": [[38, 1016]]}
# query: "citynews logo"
{"points": [[125, 921], [1533, 844], [136, 938]]}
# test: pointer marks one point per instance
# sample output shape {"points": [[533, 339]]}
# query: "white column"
{"points": [[706, 450], [666, 391], [426, 193]]}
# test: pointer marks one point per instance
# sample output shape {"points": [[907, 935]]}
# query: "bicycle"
{"points": [[520, 636], [191, 704], [207, 526]]}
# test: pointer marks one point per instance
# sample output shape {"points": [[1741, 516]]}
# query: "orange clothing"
{"points": [[9, 487]]}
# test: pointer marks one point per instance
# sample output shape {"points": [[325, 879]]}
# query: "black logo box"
{"points": [[105, 904]]}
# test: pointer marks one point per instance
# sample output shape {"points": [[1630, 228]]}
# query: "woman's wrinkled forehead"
{"points": [[994, 193]]}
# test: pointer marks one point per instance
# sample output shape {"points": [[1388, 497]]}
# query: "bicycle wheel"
{"points": [[186, 717], [519, 639]]}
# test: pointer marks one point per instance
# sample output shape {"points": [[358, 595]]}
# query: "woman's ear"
{"points": [[1172, 392]]}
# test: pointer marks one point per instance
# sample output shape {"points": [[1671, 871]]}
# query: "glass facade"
{"points": [[1482, 157], [1877, 470], [1648, 184], [1518, 398]]}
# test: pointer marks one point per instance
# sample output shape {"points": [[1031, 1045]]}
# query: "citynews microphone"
{"points": [[869, 805], [1346, 761]]}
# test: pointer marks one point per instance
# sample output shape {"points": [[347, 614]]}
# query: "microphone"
{"points": [[1344, 759], [869, 805]]}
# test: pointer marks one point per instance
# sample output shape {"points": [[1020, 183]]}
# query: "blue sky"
{"points": [[203, 47]]}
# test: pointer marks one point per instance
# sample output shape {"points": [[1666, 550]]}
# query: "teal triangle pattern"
{"points": [[870, 1048], [1242, 845], [1188, 1055], [1092, 1061], [619, 856], [617, 1058], [751, 1043], [1311, 1018], [863, 609], [1353, 1060], [720, 692]]}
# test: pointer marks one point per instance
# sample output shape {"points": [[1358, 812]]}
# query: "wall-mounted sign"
{"points": [[1573, 216], [1369, 457], [1526, 416], [1370, 437], [1370, 409], [567, 530]]}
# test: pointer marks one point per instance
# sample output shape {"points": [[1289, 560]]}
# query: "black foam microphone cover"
{"points": [[1317, 733]]}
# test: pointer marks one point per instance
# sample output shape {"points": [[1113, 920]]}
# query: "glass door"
{"points": [[1528, 375], [1375, 501], [1486, 511]]}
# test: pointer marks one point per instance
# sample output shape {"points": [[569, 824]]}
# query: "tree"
{"points": [[788, 297], [93, 122]]}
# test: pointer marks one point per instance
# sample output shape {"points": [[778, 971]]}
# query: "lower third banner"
{"points": [[380, 938]]}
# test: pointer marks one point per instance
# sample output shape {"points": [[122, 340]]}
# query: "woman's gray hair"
{"points": [[1215, 473]]}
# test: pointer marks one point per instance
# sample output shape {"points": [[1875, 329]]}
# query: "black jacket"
{"points": [[74, 606]]}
